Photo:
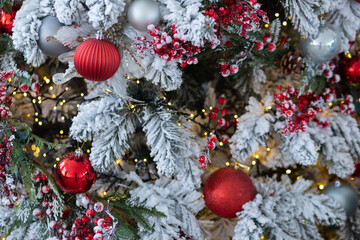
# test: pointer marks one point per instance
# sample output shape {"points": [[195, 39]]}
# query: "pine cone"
{"points": [[291, 63]]}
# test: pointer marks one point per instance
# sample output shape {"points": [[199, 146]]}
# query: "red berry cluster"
{"points": [[168, 46], [267, 42], [227, 69], [329, 72], [347, 106], [8, 192], [246, 14], [33, 88], [90, 226], [299, 110], [5, 101], [214, 139], [45, 195]]}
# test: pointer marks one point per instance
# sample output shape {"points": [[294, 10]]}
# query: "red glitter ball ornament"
{"points": [[74, 173], [97, 59], [351, 69], [7, 19], [227, 190]]}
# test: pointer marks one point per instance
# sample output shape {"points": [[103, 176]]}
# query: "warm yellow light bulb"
{"points": [[288, 171], [321, 186]]}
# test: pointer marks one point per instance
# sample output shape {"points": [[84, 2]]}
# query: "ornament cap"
{"points": [[53, 14], [99, 35], [337, 183], [79, 152]]}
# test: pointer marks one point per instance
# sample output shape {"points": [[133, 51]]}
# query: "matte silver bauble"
{"points": [[46, 42], [324, 47], [141, 13], [345, 195]]}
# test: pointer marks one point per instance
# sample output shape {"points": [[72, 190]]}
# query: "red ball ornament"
{"points": [[227, 190], [7, 19], [97, 59], [350, 68], [357, 170], [74, 173]]}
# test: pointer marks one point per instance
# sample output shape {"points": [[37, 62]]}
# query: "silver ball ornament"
{"points": [[344, 194], [324, 47], [141, 13], [48, 46]]}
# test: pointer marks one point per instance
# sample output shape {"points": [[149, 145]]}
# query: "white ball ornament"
{"points": [[141, 13], [46, 43], [322, 48]]}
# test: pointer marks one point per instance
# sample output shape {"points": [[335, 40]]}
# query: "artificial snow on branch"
{"points": [[304, 14], [191, 24], [286, 211], [335, 153], [252, 128], [174, 149], [180, 205], [109, 125], [71, 11], [104, 13], [26, 29], [301, 148], [164, 73]]}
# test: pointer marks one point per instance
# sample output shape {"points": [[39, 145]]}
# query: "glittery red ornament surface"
{"points": [[351, 69], [74, 173], [227, 190], [7, 19]]}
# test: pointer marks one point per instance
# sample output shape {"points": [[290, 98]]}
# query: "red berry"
{"points": [[215, 110], [211, 145], [259, 46], [271, 47], [213, 139], [221, 100], [213, 115], [221, 122], [43, 177], [224, 139], [90, 212], [224, 112], [202, 159]]}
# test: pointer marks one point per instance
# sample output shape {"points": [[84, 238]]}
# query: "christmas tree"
{"points": [[179, 119]]}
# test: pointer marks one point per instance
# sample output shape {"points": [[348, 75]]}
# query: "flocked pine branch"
{"points": [[71, 11], [335, 153], [304, 14], [104, 13], [164, 73], [286, 211], [301, 148], [174, 149], [179, 204], [26, 29], [252, 129], [109, 125], [191, 24]]}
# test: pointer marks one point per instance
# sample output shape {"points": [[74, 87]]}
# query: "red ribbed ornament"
{"points": [[74, 173], [97, 59], [227, 190]]}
